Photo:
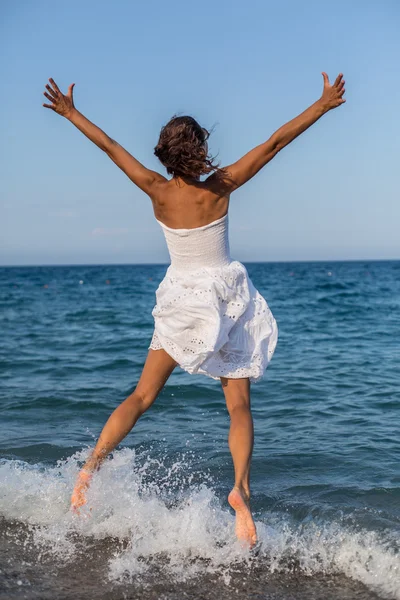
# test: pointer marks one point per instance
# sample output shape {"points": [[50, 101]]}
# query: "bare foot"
{"points": [[78, 498], [245, 528]]}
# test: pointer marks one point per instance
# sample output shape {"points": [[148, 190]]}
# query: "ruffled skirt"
{"points": [[214, 321]]}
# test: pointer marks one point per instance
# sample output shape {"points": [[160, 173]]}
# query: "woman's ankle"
{"points": [[244, 490]]}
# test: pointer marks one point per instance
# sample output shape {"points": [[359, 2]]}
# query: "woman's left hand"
{"points": [[63, 105], [332, 95]]}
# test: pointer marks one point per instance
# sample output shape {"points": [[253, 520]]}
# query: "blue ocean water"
{"points": [[325, 474]]}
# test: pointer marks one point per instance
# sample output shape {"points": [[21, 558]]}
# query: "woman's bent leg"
{"points": [[241, 440], [158, 367]]}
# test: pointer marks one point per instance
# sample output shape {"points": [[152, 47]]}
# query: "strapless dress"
{"points": [[208, 316]]}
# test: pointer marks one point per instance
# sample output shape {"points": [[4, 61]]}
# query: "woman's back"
{"points": [[179, 204]]}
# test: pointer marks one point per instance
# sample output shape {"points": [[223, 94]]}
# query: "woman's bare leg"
{"points": [[157, 368], [241, 440]]}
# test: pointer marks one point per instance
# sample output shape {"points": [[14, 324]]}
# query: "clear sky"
{"points": [[245, 66]]}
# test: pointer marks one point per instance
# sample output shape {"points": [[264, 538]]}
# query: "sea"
{"points": [[325, 475]]}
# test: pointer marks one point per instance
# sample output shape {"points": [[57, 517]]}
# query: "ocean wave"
{"points": [[164, 510]]}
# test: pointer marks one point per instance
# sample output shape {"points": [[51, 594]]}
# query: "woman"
{"points": [[209, 318]]}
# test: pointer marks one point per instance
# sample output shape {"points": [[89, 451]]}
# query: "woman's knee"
{"points": [[238, 403], [237, 395], [140, 400], [238, 407]]}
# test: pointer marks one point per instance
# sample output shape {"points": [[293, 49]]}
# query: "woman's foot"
{"points": [[245, 528], [78, 498]]}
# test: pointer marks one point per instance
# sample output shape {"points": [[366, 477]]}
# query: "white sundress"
{"points": [[208, 316]]}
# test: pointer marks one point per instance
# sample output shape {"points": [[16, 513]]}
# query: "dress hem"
{"points": [[157, 345]]}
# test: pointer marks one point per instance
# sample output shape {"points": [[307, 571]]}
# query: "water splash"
{"points": [[163, 512]]}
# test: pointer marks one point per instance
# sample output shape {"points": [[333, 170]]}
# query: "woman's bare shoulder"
{"points": [[219, 183]]}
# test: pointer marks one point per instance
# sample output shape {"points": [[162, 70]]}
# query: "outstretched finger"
{"points": [[51, 91], [49, 97], [49, 106], [55, 85], [326, 78], [338, 78]]}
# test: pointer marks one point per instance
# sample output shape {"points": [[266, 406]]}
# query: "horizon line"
{"points": [[162, 264]]}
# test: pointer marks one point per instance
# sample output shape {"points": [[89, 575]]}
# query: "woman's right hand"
{"points": [[63, 105], [332, 94]]}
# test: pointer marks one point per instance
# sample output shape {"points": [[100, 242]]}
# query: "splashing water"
{"points": [[163, 513]]}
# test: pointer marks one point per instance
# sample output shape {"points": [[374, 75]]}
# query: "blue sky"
{"points": [[247, 67]]}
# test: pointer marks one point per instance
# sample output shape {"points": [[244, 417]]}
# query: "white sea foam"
{"points": [[163, 510]]}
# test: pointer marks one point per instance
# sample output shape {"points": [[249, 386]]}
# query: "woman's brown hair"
{"points": [[182, 148]]}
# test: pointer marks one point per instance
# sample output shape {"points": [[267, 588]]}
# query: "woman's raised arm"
{"points": [[64, 105], [246, 167]]}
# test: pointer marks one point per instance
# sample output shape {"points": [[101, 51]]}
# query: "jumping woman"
{"points": [[208, 318]]}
